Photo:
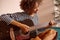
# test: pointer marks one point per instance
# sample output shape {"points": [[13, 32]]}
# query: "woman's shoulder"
{"points": [[15, 13]]}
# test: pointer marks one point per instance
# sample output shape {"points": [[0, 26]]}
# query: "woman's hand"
{"points": [[25, 28], [12, 34]]}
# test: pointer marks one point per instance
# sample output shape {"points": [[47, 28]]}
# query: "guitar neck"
{"points": [[40, 26]]}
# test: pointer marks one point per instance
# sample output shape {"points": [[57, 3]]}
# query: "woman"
{"points": [[30, 8]]}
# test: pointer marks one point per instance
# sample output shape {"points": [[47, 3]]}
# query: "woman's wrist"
{"points": [[16, 23]]}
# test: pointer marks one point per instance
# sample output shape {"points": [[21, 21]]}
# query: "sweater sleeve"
{"points": [[6, 18]]}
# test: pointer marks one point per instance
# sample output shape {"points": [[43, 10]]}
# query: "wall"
{"points": [[9, 6]]}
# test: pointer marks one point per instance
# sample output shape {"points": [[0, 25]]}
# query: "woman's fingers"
{"points": [[25, 28], [52, 22]]}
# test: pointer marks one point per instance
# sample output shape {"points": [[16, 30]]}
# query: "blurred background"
{"points": [[57, 12], [45, 13]]}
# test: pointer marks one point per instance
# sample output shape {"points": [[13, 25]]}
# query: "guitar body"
{"points": [[5, 31]]}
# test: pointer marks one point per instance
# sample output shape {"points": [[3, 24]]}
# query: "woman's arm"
{"points": [[24, 27]]}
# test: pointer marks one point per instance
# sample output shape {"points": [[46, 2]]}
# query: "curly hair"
{"points": [[29, 4]]}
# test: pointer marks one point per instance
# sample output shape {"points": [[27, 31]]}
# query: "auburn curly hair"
{"points": [[28, 4]]}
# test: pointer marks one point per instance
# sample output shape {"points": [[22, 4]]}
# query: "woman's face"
{"points": [[33, 10]]}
